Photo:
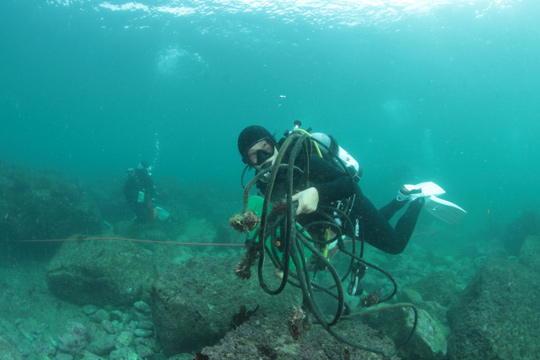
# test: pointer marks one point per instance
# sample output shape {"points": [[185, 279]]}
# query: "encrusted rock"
{"points": [[108, 326], [124, 339], [438, 286], [124, 354], [194, 302], [498, 314], [102, 346], [100, 272], [8, 351], [143, 333], [428, 341], [142, 307], [87, 355]]}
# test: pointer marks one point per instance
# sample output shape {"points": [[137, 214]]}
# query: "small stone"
{"points": [[63, 356], [87, 355], [142, 307], [89, 309], [148, 342], [124, 354], [120, 316], [143, 333], [100, 315], [124, 339], [142, 316], [146, 324], [144, 351], [103, 345], [108, 326]]}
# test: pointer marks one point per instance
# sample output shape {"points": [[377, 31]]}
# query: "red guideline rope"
{"points": [[135, 240]]}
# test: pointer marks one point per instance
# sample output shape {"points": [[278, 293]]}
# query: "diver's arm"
{"points": [[330, 184]]}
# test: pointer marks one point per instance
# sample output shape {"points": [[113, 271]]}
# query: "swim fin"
{"points": [[162, 213], [442, 209], [428, 188]]}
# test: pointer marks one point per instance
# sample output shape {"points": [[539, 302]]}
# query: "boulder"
{"points": [[438, 286], [267, 337], [106, 272], [427, 342], [194, 303], [497, 315], [8, 351]]}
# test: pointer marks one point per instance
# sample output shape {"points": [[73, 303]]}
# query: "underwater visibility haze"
{"points": [[416, 90]]}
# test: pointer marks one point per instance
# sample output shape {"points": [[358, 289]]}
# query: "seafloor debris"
{"points": [[372, 299], [243, 268], [243, 315], [245, 222], [297, 317]]}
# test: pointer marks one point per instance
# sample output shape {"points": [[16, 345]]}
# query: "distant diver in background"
{"points": [[140, 193]]}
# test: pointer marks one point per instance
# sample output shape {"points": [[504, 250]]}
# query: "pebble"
{"points": [[89, 309], [103, 345], [146, 324], [87, 355], [64, 357], [108, 326], [142, 307], [100, 315], [124, 354], [143, 333], [124, 339], [144, 351]]}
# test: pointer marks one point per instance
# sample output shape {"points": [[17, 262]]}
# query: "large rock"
{"points": [[438, 286], [43, 205], [427, 342], [105, 272], [8, 351], [267, 337], [497, 316], [194, 303]]}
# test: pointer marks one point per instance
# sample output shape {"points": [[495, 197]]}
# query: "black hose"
{"points": [[293, 241]]}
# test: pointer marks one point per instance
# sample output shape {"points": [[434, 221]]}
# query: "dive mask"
{"points": [[263, 155]]}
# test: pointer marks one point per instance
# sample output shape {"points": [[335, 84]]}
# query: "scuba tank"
{"points": [[335, 153]]}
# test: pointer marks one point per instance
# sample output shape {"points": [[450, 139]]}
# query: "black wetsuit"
{"points": [[139, 191], [333, 184]]}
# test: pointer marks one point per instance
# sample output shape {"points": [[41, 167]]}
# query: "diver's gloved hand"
{"points": [[308, 200], [405, 194]]}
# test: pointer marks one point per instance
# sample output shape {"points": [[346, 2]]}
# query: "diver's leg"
{"points": [[404, 195], [390, 209], [377, 231]]}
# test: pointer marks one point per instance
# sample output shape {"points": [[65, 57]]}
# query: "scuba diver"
{"points": [[310, 204], [140, 191], [330, 186]]}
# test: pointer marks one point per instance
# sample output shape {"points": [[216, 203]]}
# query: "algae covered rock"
{"points": [[8, 351], [106, 272], [44, 205], [497, 316], [194, 303]]}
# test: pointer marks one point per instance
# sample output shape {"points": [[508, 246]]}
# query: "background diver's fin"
{"points": [[444, 210], [162, 213]]}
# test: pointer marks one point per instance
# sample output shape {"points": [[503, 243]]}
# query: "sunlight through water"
{"points": [[319, 12]]}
